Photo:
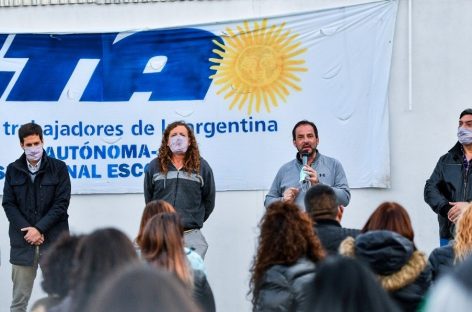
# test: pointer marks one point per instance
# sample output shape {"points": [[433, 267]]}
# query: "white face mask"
{"points": [[34, 153], [178, 144], [464, 136]]}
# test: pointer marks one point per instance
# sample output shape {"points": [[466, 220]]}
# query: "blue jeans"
{"points": [[443, 242]]}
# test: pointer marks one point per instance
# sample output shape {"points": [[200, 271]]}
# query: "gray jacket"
{"points": [[330, 172], [192, 194]]}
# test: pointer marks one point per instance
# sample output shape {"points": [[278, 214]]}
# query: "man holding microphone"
{"points": [[307, 169]]}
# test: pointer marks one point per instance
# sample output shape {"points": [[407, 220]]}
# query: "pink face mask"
{"points": [[34, 153], [178, 144]]}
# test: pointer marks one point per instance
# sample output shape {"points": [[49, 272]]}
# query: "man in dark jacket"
{"points": [[322, 205], [449, 189], [36, 196]]}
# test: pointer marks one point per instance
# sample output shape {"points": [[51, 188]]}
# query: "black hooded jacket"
{"points": [[441, 260], [42, 204], [448, 183], [402, 270]]}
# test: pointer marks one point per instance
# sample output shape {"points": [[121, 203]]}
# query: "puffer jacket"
{"points": [[441, 260], [448, 183], [402, 270], [287, 287], [42, 204]]}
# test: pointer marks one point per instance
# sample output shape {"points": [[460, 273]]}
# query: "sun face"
{"points": [[257, 67]]}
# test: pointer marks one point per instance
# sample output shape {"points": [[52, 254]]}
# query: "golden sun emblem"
{"points": [[257, 66]]}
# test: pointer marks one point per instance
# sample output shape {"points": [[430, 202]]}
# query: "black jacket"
{"points": [[331, 234], [448, 183], [287, 287], [202, 292], [441, 260], [402, 270], [42, 204]]}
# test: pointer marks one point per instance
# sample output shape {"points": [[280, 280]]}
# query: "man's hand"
{"points": [[290, 194], [456, 210], [312, 175], [33, 236]]}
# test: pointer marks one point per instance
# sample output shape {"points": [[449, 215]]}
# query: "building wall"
{"points": [[419, 133]]}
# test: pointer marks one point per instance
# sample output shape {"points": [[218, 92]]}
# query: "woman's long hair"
{"points": [[344, 284], [151, 209], [192, 156], [141, 288], [162, 245], [98, 255], [390, 216], [463, 239], [287, 235]]}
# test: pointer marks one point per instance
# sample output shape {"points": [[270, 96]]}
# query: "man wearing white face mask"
{"points": [[182, 178], [36, 197], [449, 189]]}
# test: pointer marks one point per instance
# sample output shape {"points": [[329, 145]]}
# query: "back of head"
{"points": [[286, 235], [57, 264], [151, 209], [345, 285], [321, 202], [162, 245], [453, 292], [141, 288], [98, 255], [463, 238], [390, 216]]}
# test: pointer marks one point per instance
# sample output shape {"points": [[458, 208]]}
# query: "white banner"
{"points": [[103, 100]]}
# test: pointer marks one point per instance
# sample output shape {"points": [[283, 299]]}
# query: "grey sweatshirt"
{"points": [[330, 172]]}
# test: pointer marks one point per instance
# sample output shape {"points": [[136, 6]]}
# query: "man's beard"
{"points": [[309, 151]]}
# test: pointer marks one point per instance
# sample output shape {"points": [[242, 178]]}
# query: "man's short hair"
{"points": [[304, 122], [321, 202], [30, 129], [467, 111]]}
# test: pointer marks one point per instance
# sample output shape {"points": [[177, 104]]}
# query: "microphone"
{"points": [[305, 159], [303, 175]]}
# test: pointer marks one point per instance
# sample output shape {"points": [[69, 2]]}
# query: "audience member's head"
{"points": [[453, 292], [57, 265], [321, 203], [150, 210], [390, 216], [286, 235], [463, 238], [162, 245], [345, 285], [98, 255], [141, 288]]}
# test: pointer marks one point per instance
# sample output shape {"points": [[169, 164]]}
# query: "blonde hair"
{"points": [[463, 240]]}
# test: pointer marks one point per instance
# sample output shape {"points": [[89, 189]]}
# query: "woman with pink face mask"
{"points": [[182, 178]]}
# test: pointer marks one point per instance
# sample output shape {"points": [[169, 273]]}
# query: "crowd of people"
{"points": [[305, 260]]}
